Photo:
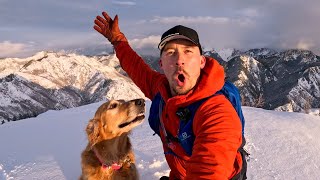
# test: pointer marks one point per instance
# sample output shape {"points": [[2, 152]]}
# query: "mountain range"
{"points": [[49, 80], [285, 81]]}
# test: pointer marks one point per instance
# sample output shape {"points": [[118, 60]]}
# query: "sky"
{"points": [[29, 26], [282, 145]]}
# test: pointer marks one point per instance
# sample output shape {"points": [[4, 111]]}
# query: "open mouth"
{"points": [[139, 118], [181, 78]]}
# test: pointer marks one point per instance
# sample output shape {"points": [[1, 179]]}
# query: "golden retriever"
{"points": [[109, 155]]}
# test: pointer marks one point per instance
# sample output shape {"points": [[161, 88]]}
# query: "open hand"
{"points": [[109, 28]]}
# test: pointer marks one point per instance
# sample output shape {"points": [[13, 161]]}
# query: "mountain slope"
{"points": [[286, 81], [57, 81]]}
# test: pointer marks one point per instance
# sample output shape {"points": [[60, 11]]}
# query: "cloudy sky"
{"points": [[29, 26]]}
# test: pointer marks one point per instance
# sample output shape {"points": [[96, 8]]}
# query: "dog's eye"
{"points": [[112, 106]]}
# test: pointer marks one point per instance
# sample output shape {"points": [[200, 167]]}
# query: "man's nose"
{"points": [[179, 59]]}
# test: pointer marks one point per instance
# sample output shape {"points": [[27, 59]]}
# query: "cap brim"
{"points": [[173, 37]]}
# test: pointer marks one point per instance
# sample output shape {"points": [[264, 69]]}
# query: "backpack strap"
{"points": [[168, 137], [157, 125], [231, 92], [155, 113], [244, 154]]}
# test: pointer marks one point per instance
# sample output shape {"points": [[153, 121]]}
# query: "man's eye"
{"points": [[169, 52], [112, 106], [188, 51]]}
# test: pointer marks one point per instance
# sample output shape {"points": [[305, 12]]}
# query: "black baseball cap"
{"points": [[179, 32]]}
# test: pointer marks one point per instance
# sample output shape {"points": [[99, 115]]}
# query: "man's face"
{"points": [[181, 63]]}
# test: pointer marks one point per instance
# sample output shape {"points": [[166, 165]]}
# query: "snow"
{"points": [[224, 53], [282, 145], [264, 52], [250, 63], [14, 93], [289, 107], [58, 69]]}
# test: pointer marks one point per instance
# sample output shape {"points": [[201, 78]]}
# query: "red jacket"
{"points": [[216, 125]]}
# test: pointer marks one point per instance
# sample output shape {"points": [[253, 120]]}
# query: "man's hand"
{"points": [[109, 28]]}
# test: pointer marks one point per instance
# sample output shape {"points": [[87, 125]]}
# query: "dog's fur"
{"points": [[109, 142]]}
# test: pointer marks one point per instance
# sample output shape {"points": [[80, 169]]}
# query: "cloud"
{"points": [[201, 20], [124, 3], [221, 24], [187, 20], [9, 49], [250, 12], [306, 45], [151, 41], [147, 45]]}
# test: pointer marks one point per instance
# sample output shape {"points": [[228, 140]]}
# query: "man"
{"points": [[188, 77]]}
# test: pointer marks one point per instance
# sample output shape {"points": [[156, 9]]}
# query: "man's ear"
{"points": [[202, 62]]}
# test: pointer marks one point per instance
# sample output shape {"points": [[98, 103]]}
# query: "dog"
{"points": [[109, 154]]}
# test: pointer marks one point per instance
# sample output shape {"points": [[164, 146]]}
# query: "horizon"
{"points": [[107, 53], [32, 26]]}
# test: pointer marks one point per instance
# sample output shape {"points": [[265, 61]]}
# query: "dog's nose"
{"points": [[139, 102]]}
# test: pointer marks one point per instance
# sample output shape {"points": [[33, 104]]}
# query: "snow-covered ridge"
{"points": [[285, 80], [51, 80], [224, 53]]}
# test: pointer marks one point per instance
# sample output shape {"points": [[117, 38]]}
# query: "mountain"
{"points": [[285, 81], [56, 81], [220, 54]]}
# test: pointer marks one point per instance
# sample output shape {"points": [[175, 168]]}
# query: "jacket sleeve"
{"points": [[141, 74], [217, 129]]}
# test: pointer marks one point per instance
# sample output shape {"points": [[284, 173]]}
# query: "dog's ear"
{"points": [[91, 126], [93, 131]]}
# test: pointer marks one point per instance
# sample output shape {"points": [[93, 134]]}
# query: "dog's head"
{"points": [[114, 118]]}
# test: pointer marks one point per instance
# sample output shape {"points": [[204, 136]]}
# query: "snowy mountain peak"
{"points": [[261, 52], [293, 74], [224, 53], [51, 80], [302, 56]]}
